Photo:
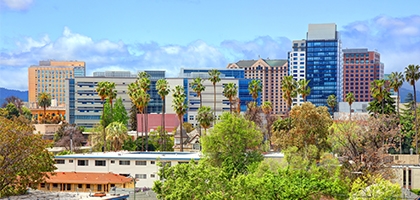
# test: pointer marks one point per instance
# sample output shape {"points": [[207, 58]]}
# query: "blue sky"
{"points": [[170, 34]]}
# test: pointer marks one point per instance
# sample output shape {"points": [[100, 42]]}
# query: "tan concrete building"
{"points": [[271, 73], [49, 76]]}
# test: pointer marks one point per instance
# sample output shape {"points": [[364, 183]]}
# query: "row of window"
{"points": [[361, 67], [103, 162]]}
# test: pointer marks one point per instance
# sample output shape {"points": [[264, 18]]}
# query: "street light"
{"points": [[134, 179]]}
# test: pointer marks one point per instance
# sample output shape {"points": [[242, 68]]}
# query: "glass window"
{"points": [[100, 163], [141, 162], [59, 161], [82, 162], [141, 176], [124, 162]]}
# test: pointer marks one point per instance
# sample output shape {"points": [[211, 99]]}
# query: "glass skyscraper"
{"points": [[323, 63]]}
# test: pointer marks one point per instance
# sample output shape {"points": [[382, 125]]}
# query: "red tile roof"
{"points": [[87, 178]]}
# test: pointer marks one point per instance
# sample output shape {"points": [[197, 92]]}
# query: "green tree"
{"points": [[112, 93], [15, 101], [350, 99], [140, 98], [180, 108], [267, 108], [230, 91], [44, 100], [144, 82], [233, 142], [386, 106], [397, 80], [378, 91], [214, 78], [103, 91], [310, 126], [412, 75], [205, 117], [198, 87], [162, 86], [332, 102], [157, 139], [116, 133], [21, 167], [119, 113], [378, 189], [133, 117], [288, 87], [12, 111], [303, 89], [254, 88]]}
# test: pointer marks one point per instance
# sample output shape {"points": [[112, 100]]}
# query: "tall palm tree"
{"points": [[230, 91], [378, 91], [214, 78], [350, 99], [266, 108], [303, 88], [288, 86], [112, 93], [180, 108], [144, 83], [254, 88], [162, 87], [205, 117], [103, 91], [139, 98], [44, 100], [412, 74], [198, 87], [397, 80], [116, 132], [332, 102]]}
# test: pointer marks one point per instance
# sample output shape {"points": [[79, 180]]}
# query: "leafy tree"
{"points": [[303, 89], [162, 86], [19, 167], [69, 136], [289, 86], [255, 87], [15, 101], [214, 78], [350, 99], [116, 133], [409, 98], [103, 89], [332, 102], [364, 145], [119, 114], [157, 139], [180, 108], [12, 111], [386, 106], [397, 80], [133, 145], [233, 142], [310, 126], [253, 113], [205, 117], [44, 100], [230, 91], [407, 129], [378, 189], [412, 75]]}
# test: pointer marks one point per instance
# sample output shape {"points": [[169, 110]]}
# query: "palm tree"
{"points": [[198, 87], [116, 132], [378, 92], [397, 80], [162, 87], [412, 74], [266, 108], [230, 91], [44, 100], [350, 99], [254, 88], [303, 88], [144, 84], [103, 92], [180, 108], [332, 102], [112, 93], [205, 117], [288, 86], [214, 78], [139, 98]]}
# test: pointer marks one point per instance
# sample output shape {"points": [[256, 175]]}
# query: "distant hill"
{"points": [[4, 92], [405, 91]]}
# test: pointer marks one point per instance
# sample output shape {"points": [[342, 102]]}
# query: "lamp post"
{"points": [[134, 190]]}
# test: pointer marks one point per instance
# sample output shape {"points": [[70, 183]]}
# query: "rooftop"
{"points": [[87, 178]]}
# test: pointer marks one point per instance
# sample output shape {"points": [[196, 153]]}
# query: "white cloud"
{"points": [[17, 5]]}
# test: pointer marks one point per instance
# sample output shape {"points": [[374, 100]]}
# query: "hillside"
{"points": [[4, 92], [405, 91]]}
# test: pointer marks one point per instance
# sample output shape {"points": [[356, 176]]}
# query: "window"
{"points": [[82, 162], [42, 185], [59, 161], [99, 187], [100, 163], [152, 162], [80, 186], [87, 186], [55, 185], [141, 176], [112, 161], [141, 162], [124, 162], [152, 175]]}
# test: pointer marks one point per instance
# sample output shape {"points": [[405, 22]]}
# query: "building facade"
{"points": [[271, 73], [323, 63], [361, 68], [49, 76], [297, 65], [85, 106]]}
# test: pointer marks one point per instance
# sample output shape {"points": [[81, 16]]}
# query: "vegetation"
{"points": [[303, 89], [332, 102], [289, 86], [180, 108], [412, 75], [205, 118], [44, 100], [105, 89], [19, 167], [350, 99], [214, 78], [230, 91], [254, 88]]}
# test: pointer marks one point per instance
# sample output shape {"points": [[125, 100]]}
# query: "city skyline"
{"points": [[169, 35]]}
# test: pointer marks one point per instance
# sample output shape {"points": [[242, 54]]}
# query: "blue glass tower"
{"points": [[323, 63]]}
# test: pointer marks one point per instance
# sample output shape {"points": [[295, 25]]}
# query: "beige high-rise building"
{"points": [[49, 76], [271, 73]]}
